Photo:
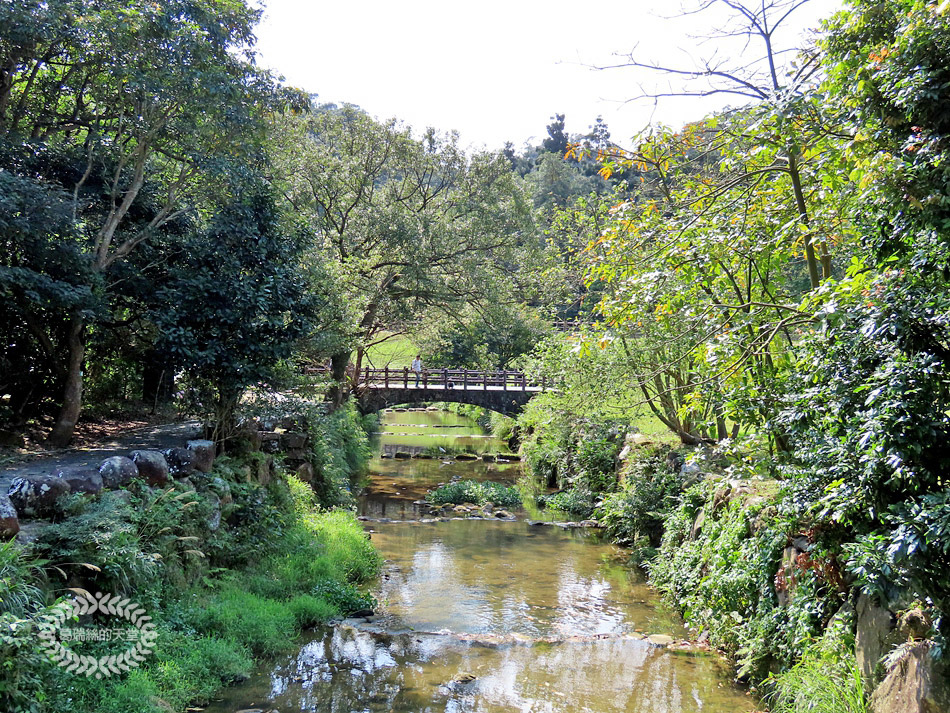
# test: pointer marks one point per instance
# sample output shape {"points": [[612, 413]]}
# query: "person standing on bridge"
{"points": [[417, 368]]}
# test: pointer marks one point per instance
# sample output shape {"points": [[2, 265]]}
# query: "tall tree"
{"points": [[413, 225], [557, 139], [776, 80], [124, 87]]}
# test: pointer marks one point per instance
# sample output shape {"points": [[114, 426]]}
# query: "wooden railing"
{"points": [[439, 379]]}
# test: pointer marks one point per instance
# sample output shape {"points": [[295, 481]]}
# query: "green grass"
{"points": [[396, 352], [306, 568], [820, 684]]}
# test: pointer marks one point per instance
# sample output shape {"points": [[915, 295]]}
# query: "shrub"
{"points": [[651, 491], [574, 500], [471, 491]]}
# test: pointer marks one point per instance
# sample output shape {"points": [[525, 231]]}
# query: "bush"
{"points": [[651, 491], [471, 491], [575, 501]]}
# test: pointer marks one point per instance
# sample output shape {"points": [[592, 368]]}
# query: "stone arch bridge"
{"points": [[506, 392]]}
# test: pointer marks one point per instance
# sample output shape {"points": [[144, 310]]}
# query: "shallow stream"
{"points": [[488, 616]]}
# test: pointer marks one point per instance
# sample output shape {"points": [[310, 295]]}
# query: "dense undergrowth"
{"points": [[475, 492], [229, 569]]}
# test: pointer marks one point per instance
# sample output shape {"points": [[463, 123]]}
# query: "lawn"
{"points": [[396, 352]]}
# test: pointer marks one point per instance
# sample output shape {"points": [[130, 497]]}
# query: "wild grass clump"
{"points": [[471, 491], [820, 684]]}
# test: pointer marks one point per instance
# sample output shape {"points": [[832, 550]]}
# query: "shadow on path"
{"points": [[160, 437]]}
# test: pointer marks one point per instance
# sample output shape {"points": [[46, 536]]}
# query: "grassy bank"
{"points": [[230, 570]]}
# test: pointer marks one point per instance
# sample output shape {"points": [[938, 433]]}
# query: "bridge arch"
{"points": [[509, 403]]}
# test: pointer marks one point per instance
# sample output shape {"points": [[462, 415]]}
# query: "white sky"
{"points": [[495, 70]]}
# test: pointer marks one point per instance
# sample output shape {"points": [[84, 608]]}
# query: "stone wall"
{"points": [[36, 496]]}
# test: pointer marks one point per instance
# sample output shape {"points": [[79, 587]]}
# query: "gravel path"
{"points": [[160, 437]]}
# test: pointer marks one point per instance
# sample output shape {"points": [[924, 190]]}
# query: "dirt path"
{"points": [[158, 437]]}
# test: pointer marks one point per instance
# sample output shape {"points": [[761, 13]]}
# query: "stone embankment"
{"points": [[37, 495]]}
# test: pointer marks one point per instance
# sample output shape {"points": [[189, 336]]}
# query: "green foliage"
{"points": [[820, 684], [652, 489], [232, 302], [340, 451], [478, 493], [99, 185], [576, 501], [490, 338], [264, 625], [20, 594], [274, 566]]}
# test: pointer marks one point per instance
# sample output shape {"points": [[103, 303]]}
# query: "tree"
{"points": [[557, 139], [234, 301], [870, 417], [784, 110], [413, 226], [123, 90]]}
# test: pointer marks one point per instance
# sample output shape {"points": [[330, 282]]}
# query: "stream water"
{"points": [[487, 616]]}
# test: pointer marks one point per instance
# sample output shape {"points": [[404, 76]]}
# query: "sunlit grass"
{"points": [[397, 352]]}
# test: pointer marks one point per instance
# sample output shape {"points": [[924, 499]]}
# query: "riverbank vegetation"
{"points": [[230, 569], [475, 492], [775, 294]]}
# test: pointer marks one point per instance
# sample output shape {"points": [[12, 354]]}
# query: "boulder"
{"points": [[246, 439], [181, 462], [913, 625], [915, 684], [152, 467], [32, 532], [293, 440], [293, 423], [204, 454], [214, 520], [117, 498], [117, 472], [698, 523], [270, 442], [873, 632], [81, 480], [36, 495], [305, 472], [9, 522], [221, 488], [264, 469]]}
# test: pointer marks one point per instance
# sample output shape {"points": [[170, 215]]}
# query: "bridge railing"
{"points": [[470, 379]]}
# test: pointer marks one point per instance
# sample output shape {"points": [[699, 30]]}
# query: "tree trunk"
{"points": [[65, 425], [339, 389], [225, 418], [158, 381]]}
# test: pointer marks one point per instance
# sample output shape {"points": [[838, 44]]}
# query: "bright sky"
{"points": [[495, 70]]}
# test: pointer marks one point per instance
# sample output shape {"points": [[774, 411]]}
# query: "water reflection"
{"points": [[486, 616], [351, 670]]}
